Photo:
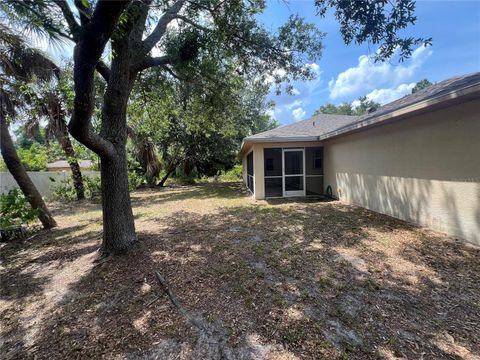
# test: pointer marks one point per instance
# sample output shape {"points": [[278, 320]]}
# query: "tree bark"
{"points": [[170, 170], [61, 133], [20, 175], [118, 224], [77, 178]]}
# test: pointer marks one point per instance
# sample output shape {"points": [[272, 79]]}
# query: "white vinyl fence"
{"points": [[45, 181]]}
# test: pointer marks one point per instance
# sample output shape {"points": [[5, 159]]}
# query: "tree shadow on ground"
{"points": [[31, 278], [309, 280], [227, 190]]}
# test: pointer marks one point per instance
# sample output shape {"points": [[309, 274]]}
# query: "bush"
{"points": [[234, 174], [183, 179], [15, 210], [66, 191], [135, 180], [33, 158]]}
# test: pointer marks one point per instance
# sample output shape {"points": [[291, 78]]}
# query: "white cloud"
{"points": [[269, 79], [314, 67], [294, 104], [302, 93], [384, 96], [274, 112], [368, 75], [271, 113], [298, 113]]}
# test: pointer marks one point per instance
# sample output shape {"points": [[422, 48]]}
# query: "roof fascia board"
{"points": [[247, 141], [444, 99]]}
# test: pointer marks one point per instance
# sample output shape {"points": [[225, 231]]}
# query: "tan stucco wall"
{"points": [[258, 166], [424, 169]]}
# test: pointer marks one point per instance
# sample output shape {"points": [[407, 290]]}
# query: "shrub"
{"points": [[15, 210], [135, 180], [66, 191], [33, 158], [234, 174], [183, 179]]}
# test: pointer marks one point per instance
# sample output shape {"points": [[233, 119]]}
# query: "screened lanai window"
{"points": [[250, 181], [273, 172], [314, 170]]}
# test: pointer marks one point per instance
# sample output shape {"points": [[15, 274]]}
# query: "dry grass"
{"points": [[279, 280]]}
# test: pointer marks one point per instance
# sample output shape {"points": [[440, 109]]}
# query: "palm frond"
{"points": [[22, 61], [39, 18], [7, 106], [55, 112]]}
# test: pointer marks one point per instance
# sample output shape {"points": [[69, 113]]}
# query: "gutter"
{"points": [[444, 99], [277, 139]]}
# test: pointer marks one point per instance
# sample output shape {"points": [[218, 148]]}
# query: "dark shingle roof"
{"points": [[323, 126], [432, 92], [315, 126]]}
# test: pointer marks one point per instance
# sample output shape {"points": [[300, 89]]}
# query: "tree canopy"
{"points": [[422, 84], [360, 107]]}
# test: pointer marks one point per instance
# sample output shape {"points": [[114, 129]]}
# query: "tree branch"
{"points": [[171, 72], [87, 53], [84, 11], [193, 23], [75, 29], [161, 27], [149, 62], [73, 25], [103, 70]]}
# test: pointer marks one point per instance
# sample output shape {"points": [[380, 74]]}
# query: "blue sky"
{"points": [[344, 72]]}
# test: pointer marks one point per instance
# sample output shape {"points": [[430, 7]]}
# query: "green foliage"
{"points": [[363, 106], [3, 166], [422, 84], [183, 179], [135, 180], [197, 126], [25, 141], [234, 174], [379, 22], [33, 158], [66, 191], [15, 210]]}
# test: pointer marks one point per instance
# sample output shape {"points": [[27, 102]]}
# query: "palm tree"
{"points": [[50, 106], [16, 168], [21, 62]]}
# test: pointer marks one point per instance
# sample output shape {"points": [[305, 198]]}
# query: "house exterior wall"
{"points": [[258, 161], [424, 169]]}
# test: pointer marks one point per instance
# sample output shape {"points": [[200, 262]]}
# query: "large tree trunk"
{"points": [[66, 144], [20, 175], [118, 223]]}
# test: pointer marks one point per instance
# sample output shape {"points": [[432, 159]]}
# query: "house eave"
{"points": [[274, 139], [442, 101]]}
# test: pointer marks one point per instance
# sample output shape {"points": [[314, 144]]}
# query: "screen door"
{"points": [[293, 172]]}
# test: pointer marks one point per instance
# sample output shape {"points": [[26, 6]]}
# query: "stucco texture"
{"points": [[424, 169]]}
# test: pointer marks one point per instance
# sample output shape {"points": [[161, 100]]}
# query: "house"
{"points": [[62, 165], [417, 158]]}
